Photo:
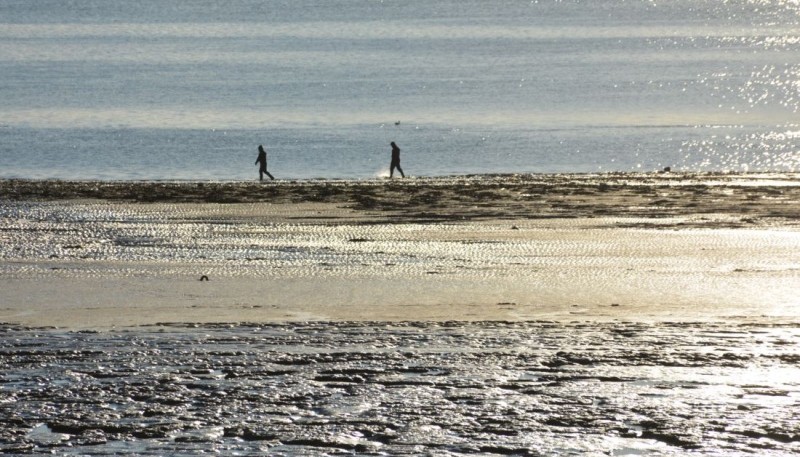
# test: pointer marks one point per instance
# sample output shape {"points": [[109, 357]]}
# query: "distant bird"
{"points": [[397, 123]]}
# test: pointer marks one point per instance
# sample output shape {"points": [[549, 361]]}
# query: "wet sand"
{"points": [[383, 388], [652, 314], [649, 247]]}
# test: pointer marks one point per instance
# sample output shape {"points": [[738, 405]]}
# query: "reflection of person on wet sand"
{"points": [[262, 158], [395, 161]]}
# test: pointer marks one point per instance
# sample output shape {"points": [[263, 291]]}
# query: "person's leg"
{"points": [[270, 175], [391, 170], [400, 170], [260, 175]]}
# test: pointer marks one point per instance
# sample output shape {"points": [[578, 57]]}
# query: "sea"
{"points": [[188, 89]]}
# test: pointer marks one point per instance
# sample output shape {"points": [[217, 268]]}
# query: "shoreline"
{"points": [[235, 191], [753, 197]]}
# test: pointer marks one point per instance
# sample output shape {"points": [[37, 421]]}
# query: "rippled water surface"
{"points": [[534, 388], [187, 90]]}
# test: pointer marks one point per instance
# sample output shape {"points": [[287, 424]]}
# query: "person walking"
{"points": [[262, 159], [395, 161]]}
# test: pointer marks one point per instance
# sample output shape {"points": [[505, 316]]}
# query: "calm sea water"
{"points": [[169, 89]]}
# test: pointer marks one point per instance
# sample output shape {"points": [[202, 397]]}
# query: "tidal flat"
{"points": [[403, 388], [617, 314]]}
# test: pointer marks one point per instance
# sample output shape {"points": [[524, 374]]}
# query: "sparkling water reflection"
{"points": [[156, 90]]}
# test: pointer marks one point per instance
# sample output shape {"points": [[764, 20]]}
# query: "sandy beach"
{"points": [[651, 247]]}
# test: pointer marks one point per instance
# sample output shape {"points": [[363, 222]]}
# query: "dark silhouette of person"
{"points": [[395, 161], [262, 159]]}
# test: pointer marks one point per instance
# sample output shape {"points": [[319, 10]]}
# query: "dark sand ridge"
{"points": [[752, 198]]}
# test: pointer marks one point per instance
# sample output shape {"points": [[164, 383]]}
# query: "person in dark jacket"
{"points": [[395, 161], [262, 159]]}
